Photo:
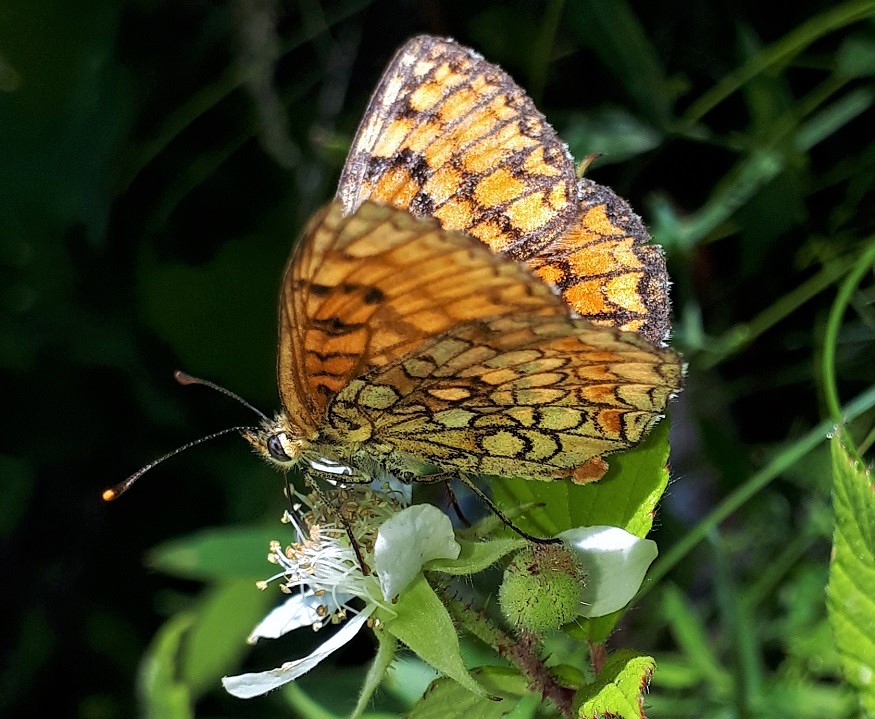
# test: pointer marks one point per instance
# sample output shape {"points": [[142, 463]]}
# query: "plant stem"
{"points": [[522, 652]]}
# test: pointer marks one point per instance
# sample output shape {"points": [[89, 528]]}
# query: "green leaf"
{"points": [[618, 690], [386, 652], [420, 620], [625, 497], [850, 605], [217, 638], [161, 695], [477, 556], [216, 554], [445, 699]]}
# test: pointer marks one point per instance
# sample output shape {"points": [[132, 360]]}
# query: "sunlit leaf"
{"points": [[852, 571], [477, 556], [618, 690], [421, 621]]}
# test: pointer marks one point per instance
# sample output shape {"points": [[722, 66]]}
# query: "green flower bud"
{"points": [[541, 588]]}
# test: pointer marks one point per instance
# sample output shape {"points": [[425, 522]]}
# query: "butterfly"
{"points": [[466, 304], [417, 349]]}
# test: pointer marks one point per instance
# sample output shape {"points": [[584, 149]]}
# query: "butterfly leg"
{"points": [[454, 503], [502, 516]]}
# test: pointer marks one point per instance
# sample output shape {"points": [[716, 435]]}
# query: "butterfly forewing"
{"points": [[366, 289], [531, 396], [452, 136]]}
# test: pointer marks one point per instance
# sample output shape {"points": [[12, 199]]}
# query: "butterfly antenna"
{"points": [[122, 487], [186, 379]]}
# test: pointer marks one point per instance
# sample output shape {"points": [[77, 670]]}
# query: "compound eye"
{"points": [[275, 448]]}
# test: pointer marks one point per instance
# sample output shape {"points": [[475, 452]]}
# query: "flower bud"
{"points": [[541, 588]]}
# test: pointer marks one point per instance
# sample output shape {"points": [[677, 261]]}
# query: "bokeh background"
{"points": [[157, 160]]}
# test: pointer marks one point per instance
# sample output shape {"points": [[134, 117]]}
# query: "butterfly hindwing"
{"points": [[529, 396]]}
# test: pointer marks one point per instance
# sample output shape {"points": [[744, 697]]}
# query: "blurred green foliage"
{"points": [[157, 160]]}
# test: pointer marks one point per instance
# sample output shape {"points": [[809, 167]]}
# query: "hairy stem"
{"points": [[522, 651]]}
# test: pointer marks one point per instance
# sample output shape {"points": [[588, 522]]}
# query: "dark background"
{"points": [[157, 160]]}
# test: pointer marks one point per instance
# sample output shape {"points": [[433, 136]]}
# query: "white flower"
{"points": [[250, 685], [408, 540], [615, 563], [324, 573]]}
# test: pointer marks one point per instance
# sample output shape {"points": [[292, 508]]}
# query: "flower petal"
{"points": [[256, 683], [615, 563], [299, 610], [407, 541]]}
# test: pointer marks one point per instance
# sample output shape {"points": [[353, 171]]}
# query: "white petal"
{"points": [[615, 563], [299, 610], [408, 540], [256, 683]]}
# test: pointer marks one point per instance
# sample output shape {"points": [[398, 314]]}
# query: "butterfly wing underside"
{"points": [[366, 289], [534, 397], [451, 136]]}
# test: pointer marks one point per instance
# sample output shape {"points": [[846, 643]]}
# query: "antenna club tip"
{"points": [[183, 377], [109, 495]]}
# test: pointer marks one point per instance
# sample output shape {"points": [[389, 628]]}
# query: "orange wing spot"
{"points": [[392, 137], [596, 220], [586, 297], [623, 291], [422, 140], [498, 187], [551, 274], [501, 109], [597, 373], [491, 233], [458, 104], [625, 253], [632, 326], [426, 96], [593, 261], [530, 212], [591, 470], [474, 131], [396, 187], [499, 376], [445, 77], [558, 198], [537, 165], [600, 394], [451, 394], [443, 184], [455, 214], [611, 420], [488, 153]]}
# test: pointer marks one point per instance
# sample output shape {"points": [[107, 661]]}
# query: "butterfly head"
{"points": [[277, 441]]}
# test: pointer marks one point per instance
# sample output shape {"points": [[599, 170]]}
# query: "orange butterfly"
{"points": [[408, 346], [413, 338]]}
